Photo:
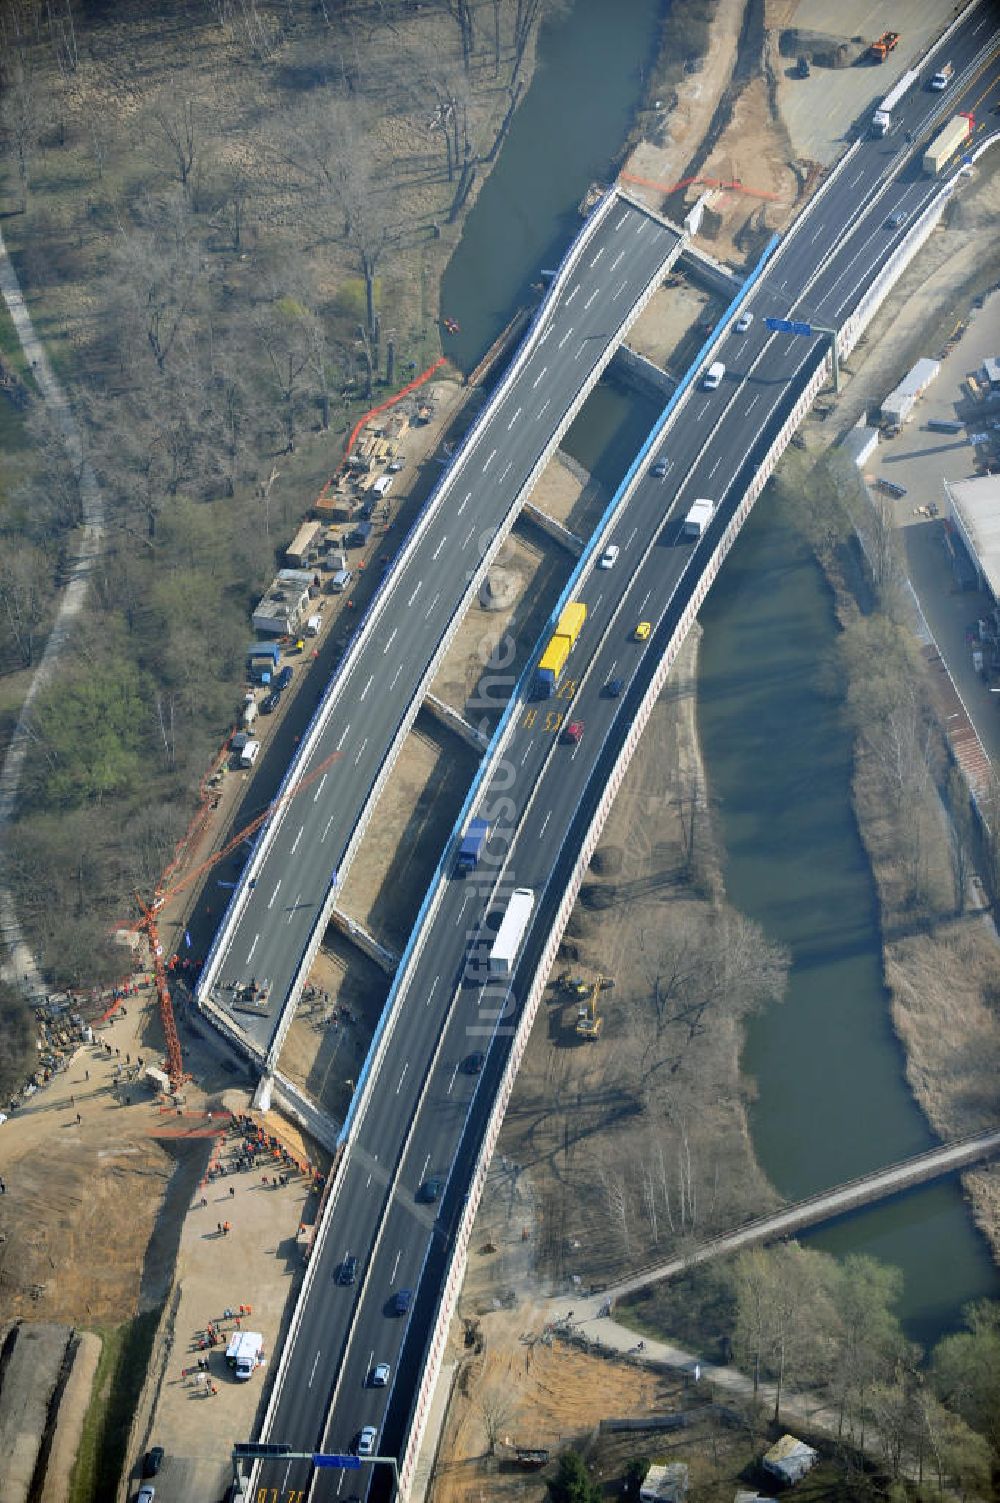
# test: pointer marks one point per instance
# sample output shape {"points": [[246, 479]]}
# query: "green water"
{"points": [[833, 1101]]}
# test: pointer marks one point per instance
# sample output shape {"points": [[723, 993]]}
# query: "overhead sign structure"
{"points": [[348, 1462], [251, 1450], [788, 326]]}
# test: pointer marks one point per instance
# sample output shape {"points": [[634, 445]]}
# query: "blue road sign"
{"points": [[348, 1462], [787, 326]]}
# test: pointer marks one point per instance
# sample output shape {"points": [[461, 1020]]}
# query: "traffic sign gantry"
{"points": [[252, 1450], [347, 1461], [788, 326]]}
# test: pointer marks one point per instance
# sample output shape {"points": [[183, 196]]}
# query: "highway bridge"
{"points": [[421, 1113], [275, 921]]}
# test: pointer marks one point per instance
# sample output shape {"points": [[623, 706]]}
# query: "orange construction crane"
{"points": [[148, 924]]}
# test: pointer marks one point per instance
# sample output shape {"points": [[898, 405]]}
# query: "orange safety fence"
{"points": [[391, 402], [709, 182]]}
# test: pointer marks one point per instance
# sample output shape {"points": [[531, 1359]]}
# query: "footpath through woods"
{"points": [[21, 966]]}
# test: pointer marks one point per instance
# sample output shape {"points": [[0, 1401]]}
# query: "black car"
{"points": [[270, 702], [659, 469], [474, 1063], [348, 1270], [401, 1301], [430, 1190], [614, 687], [152, 1461], [283, 680]]}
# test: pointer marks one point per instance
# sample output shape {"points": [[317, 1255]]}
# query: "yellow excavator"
{"points": [[589, 1021]]}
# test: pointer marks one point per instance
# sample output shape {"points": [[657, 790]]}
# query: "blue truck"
{"points": [[473, 841]]}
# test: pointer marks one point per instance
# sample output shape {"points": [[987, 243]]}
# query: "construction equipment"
{"points": [[589, 1021], [886, 43]]}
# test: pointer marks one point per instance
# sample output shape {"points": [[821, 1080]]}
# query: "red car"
{"points": [[573, 733]]}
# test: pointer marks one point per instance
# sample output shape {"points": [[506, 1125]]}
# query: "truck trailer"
{"points": [[945, 144], [473, 841], [503, 956], [698, 518], [553, 660], [882, 118]]}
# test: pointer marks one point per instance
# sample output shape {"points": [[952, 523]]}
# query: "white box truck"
{"points": [[503, 955], [245, 1353], [698, 518]]}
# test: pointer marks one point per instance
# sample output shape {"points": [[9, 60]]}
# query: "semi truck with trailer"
{"points": [[882, 118], [472, 845], [553, 660], [513, 926], [945, 144]]}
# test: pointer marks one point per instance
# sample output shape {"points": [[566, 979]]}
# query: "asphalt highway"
{"points": [[428, 1110], [279, 904]]}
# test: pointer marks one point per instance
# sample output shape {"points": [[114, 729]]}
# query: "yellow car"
{"points": [[642, 631]]}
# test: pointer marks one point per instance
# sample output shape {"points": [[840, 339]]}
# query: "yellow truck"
{"points": [[553, 660]]}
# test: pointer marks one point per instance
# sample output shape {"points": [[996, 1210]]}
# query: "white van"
{"points": [[249, 752], [249, 710], [713, 376], [382, 486], [341, 580], [314, 626]]}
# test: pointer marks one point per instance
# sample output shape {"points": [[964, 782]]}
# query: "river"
{"points": [[832, 1098]]}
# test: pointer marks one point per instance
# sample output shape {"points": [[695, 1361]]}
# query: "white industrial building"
{"points": [[789, 1459], [974, 509]]}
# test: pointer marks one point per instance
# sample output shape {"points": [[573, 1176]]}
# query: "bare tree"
{"points": [[496, 1408], [21, 116], [25, 596], [176, 123]]}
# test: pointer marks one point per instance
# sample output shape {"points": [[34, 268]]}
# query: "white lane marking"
{"points": [[614, 264], [392, 1276], [642, 226], [977, 29], [371, 1364], [432, 990], [622, 220], [322, 780], [390, 640], [427, 612], [415, 593], [368, 1182], [855, 180], [465, 500], [618, 291], [631, 537], [454, 1077], [492, 456], [591, 298], [642, 602], [361, 750], [547, 818], [297, 839], [543, 407], [440, 545], [294, 908], [505, 472], [252, 948], [465, 904], [469, 536], [326, 829], [753, 402], [538, 378], [513, 420], [371, 680], [820, 231], [275, 892], [314, 1367], [565, 337], [402, 1077], [598, 601], [573, 294], [611, 670], [527, 753], [397, 673], [580, 351], [715, 467], [545, 334], [424, 1169], [600, 253]]}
